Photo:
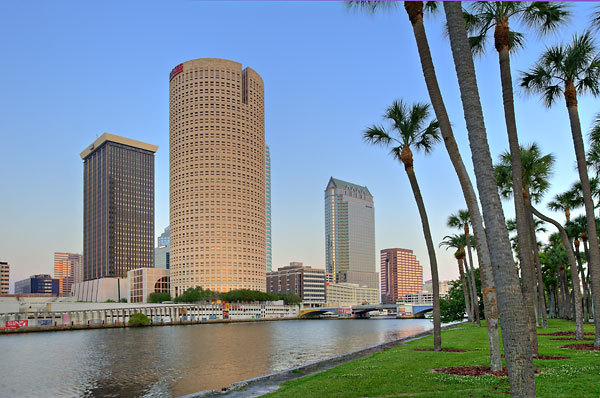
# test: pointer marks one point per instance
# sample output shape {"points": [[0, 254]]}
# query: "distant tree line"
{"points": [[198, 294]]}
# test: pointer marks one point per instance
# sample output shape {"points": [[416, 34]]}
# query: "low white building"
{"points": [[348, 294], [100, 290], [143, 281]]}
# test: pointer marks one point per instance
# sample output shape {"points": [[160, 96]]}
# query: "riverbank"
{"points": [[402, 370]]}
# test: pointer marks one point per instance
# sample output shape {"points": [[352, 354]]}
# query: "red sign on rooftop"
{"points": [[176, 70]]}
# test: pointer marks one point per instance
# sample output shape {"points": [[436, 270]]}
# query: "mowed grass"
{"points": [[401, 371]]}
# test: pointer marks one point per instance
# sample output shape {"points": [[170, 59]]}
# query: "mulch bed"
{"points": [[570, 338], [589, 347], [475, 371], [544, 357], [442, 350], [563, 334]]}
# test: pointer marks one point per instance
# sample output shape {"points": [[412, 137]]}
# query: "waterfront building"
{"points": [[269, 252], [217, 177], [348, 294], [65, 267], [118, 207], [101, 289], [4, 277], [143, 281], [162, 254], [306, 282], [350, 233], [444, 287], [38, 284], [416, 298], [401, 274]]}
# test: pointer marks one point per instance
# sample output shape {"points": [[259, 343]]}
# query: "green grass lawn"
{"points": [[401, 371]]}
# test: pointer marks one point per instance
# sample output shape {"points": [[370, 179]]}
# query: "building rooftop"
{"points": [[119, 140], [343, 184]]}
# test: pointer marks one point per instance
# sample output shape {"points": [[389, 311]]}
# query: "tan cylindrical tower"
{"points": [[217, 176]]}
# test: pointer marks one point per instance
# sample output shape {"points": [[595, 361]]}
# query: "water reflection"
{"points": [[178, 360]]}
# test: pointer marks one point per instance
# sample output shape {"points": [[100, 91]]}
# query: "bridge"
{"points": [[404, 310]]}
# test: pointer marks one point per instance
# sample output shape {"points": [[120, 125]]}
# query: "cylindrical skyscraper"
{"points": [[217, 176]]}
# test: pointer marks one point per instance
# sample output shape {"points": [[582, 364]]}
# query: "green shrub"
{"points": [[158, 297], [139, 319]]}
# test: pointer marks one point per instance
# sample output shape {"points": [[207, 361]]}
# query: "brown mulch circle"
{"points": [[442, 350], [475, 371], [589, 347], [570, 339], [544, 357], [563, 334]]}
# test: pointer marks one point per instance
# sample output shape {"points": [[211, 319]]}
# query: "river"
{"points": [[178, 360]]}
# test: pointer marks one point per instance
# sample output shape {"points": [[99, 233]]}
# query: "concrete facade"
{"points": [[349, 294], [4, 277], [269, 251], [217, 177], [306, 282], [143, 281], [401, 274], [66, 267], [444, 287], [100, 290], [350, 233]]}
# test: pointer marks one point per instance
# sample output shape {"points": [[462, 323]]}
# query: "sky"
{"points": [[73, 70]]}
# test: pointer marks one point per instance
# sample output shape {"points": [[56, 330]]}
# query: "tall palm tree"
{"points": [[564, 202], [513, 317], [459, 242], [570, 70], [414, 10], [595, 20], [574, 277], [486, 16], [535, 172], [579, 225], [413, 132], [461, 220]]}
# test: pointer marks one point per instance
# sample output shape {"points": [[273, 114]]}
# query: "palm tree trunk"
{"points": [[435, 282], [594, 260], [538, 265], [488, 286], [580, 267], [523, 235], [584, 282], [573, 267], [464, 286], [474, 301], [513, 316]]}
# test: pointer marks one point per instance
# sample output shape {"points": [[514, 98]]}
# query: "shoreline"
{"points": [[261, 385]]}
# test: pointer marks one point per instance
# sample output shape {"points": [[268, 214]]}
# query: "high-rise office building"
{"points": [[269, 253], [4, 277], [65, 267], [217, 176], [118, 207], [401, 274], [350, 234], [301, 280], [162, 253], [165, 238], [38, 284]]}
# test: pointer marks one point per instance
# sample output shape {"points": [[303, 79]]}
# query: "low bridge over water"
{"points": [[404, 310]]}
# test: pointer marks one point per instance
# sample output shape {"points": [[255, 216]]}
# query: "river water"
{"points": [[177, 360]]}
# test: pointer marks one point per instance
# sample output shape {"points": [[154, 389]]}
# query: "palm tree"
{"points": [[410, 124], [459, 242], [564, 202], [574, 277], [568, 70], [578, 229], [545, 17], [461, 220], [536, 170], [595, 20], [414, 10], [513, 317]]}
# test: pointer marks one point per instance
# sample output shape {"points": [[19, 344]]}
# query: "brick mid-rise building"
{"points": [[401, 274], [4, 277], [303, 281]]}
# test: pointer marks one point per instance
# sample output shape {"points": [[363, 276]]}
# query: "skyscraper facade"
{"points": [[65, 267], [4, 277], [269, 253], [401, 274], [350, 233], [118, 206], [217, 177]]}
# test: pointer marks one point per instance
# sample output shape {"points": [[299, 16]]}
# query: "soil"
{"points": [[563, 334], [442, 350], [570, 338], [475, 371], [544, 357], [589, 347]]}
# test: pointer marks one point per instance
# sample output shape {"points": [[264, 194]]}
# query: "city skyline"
{"points": [[134, 105]]}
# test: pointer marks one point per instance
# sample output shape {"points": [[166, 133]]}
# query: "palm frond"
{"points": [[371, 6], [377, 135], [594, 133], [516, 41], [595, 20], [478, 44], [546, 16], [428, 137]]}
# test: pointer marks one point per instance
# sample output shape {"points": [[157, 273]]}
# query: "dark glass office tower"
{"points": [[118, 207]]}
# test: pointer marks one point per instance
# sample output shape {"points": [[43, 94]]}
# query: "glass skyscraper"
{"points": [[350, 233], [268, 207]]}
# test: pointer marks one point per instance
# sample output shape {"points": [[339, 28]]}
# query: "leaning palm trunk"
{"points": [[435, 283], [513, 316], [488, 286], [474, 301], [584, 282], [594, 260], [536, 258], [501, 38], [464, 286], [573, 267]]}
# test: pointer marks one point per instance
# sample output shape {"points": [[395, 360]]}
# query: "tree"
{"points": [[196, 294], [461, 220], [459, 242], [155, 297], [569, 70], [138, 319], [513, 317], [595, 20], [564, 202], [452, 307], [413, 131], [290, 298]]}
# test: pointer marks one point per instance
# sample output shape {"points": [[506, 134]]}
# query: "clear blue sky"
{"points": [[72, 70]]}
